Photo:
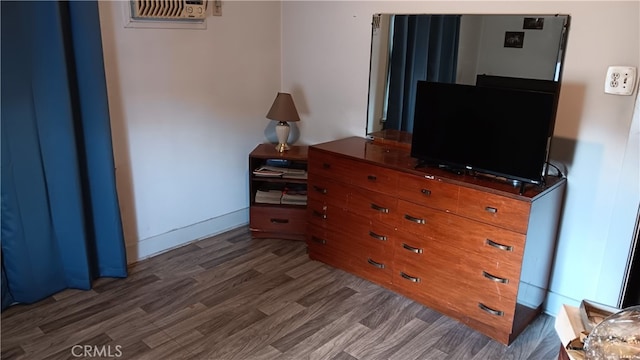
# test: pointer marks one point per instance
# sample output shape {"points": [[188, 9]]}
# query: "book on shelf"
{"points": [[272, 196], [293, 202], [294, 194], [290, 194], [293, 199], [276, 171], [278, 162]]}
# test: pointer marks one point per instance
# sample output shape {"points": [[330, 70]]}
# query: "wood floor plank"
{"points": [[320, 330], [282, 296], [338, 326], [69, 336], [404, 313], [233, 297], [338, 343], [426, 341]]}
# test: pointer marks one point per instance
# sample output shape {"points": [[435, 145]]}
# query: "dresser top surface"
{"points": [[400, 159]]}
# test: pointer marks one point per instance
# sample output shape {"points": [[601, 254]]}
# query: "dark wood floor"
{"points": [[231, 297]]}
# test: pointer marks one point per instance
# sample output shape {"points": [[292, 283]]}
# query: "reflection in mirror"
{"points": [[517, 51]]}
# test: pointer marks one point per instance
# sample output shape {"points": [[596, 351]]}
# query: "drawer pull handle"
{"points": [[495, 278], [377, 237], [490, 209], [318, 240], [279, 221], [375, 263], [498, 246], [319, 189], [412, 249], [383, 210], [372, 178], [319, 214], [426, 192], [409, 277], [326, 166], [415, 219], [490, 310]]}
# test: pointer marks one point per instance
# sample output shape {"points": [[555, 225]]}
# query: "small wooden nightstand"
{"points": [[270, 216]]}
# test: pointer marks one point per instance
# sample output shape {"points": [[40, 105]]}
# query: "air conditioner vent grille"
{"points": [[169, 9]]}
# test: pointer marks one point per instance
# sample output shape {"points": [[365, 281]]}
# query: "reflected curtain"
{"points": [[61, 225], [425, 47]]}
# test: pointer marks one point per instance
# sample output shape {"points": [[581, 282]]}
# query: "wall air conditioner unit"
{"points": [[168, 9]]}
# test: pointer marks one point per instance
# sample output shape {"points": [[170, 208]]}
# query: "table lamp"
{"points": [[283, 110]]}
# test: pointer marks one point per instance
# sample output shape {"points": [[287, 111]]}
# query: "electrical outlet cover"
{"points": [[620, 80]]}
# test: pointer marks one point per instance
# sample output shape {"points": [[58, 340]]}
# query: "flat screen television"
{"points": [[498, 131]]}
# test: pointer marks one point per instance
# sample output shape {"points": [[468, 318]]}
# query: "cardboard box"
{"points": [[568, 325]]}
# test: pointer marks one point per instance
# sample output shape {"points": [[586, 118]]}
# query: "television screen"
{"points": [[499, 131]]}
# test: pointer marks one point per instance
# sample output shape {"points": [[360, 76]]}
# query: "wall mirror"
{"points": [[461, 49]]}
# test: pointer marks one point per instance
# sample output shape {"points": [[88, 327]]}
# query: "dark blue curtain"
{"points": [[425, 47], [61, 225]]}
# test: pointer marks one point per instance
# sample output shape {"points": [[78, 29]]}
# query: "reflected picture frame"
{"points": [[514, 39]]}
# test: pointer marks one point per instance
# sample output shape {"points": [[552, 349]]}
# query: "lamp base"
{"points": [[282, 131], [282, 147]]}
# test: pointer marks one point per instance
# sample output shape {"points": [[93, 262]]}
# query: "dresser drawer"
{"points": [[327, 191], [370, 261], [494, 209], [375, 178], [369, 234], [325, 215], [471, 236], [451, 293], [278, 219], [426, 284], [328, 165], [373, 206], [421, 220], [428, 192], [498, 315], [491, 242], [325, 246], [373, 263], [445, 262]]}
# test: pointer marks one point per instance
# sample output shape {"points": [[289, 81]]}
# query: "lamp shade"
{"points": [[283, 109]]}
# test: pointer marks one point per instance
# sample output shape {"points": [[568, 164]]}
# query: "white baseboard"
{"points": [[158, 244], [555, 301]]}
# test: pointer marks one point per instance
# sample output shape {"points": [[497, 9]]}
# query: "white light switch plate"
{"points": [[620, 80]]}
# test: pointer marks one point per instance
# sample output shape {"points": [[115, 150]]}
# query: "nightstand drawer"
{"points": [[278, 219]]}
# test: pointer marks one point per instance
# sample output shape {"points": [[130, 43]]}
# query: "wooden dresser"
{"points": [[470, 247]]}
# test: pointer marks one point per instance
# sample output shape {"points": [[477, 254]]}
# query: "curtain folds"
{"points": [[61, 225], [425, 47]]}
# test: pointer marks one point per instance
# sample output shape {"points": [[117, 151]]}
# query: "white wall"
{"points": [[325, 59], [187, 107]]}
